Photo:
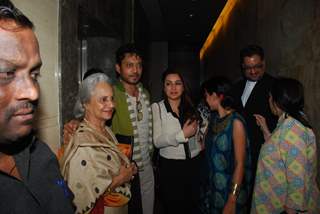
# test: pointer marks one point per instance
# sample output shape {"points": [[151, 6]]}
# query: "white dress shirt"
{"points": [[247, 91]]}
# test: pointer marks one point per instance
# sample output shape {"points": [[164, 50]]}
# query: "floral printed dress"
{"points": [[287, 168], [220, 157]]}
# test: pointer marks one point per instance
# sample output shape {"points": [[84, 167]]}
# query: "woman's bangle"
{"points": [[109, 190], [235, 189]]}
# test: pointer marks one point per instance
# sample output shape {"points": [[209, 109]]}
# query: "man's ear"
{"points": [[117, 66]]}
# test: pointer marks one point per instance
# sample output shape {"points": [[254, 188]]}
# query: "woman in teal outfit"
{"points": [[227, 153]]}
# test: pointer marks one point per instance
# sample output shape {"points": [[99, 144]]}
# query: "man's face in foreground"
{"points": [[20, 64]]}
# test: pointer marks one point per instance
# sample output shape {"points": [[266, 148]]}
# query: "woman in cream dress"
{"points": [[96, 170]]}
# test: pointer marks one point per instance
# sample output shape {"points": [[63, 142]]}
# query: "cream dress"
{"points": [[89, 162]]}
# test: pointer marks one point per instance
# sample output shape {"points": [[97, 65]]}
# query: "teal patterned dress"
{"points": [[220, 158]]}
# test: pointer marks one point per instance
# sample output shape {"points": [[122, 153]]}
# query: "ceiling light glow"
{"points": [[217, 27]]}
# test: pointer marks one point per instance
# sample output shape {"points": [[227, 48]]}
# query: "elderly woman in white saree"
{"points": [[96, 170]]}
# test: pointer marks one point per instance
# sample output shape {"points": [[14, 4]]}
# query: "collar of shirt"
{"points": [[181, 112], [247, 91]]}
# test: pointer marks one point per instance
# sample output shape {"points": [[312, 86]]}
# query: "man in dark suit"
{"points": [[252, 97]]}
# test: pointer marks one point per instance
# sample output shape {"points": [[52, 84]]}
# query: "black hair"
{"points": [[186, 101], [221, 86], [288, 95], [251, 50], [92, 71], [8, 12], [203, 89], [129, 48]]}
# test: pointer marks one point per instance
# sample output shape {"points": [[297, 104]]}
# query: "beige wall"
{"points": [[291, 37], [290, 34], [288, 31], [222, 58], [44, 14]]}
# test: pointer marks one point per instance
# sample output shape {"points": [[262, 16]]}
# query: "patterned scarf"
{"points": [[133, 117]]}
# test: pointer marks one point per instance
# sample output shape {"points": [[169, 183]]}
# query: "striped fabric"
{"points": [[133, 117]]}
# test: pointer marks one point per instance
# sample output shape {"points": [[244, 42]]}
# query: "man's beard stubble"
{"points": [[22, 105]]}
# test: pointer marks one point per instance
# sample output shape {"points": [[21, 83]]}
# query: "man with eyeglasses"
{"points": [[30, 179], [132, 124], [252, 96]]}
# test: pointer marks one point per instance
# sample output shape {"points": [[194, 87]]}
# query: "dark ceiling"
{"points": [[181, 21]]}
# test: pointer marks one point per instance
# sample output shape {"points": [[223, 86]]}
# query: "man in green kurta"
{"points": [[132, 124]]}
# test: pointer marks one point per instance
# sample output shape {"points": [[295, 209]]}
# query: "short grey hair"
{"points": [[85, 91]]}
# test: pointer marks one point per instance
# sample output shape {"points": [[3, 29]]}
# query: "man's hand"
{"points": [[69, 129]]}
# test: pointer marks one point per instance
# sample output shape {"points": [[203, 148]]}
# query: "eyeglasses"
{"points": [[254, 67], [139, 111]]}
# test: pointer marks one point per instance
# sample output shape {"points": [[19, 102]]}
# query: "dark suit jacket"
{"points": [[257, 103]]}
